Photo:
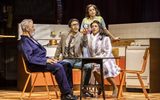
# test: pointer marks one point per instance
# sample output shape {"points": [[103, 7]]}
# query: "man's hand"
{"points": [[52, 60], [85, 31]]}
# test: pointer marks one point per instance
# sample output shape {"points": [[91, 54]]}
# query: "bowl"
{"points": [[53, 42]]}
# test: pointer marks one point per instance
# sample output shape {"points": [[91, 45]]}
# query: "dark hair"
{"points": [[95, 7], [71, 20], [101, 30]]}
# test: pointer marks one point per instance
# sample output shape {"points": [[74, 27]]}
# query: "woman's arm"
{"points": [[111, 35], [106, 31]]}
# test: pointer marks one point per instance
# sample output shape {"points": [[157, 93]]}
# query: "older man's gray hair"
{"points": [[24, 24]]}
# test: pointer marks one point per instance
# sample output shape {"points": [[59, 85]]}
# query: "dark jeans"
{"points": [[68, 69], [60, 75]]}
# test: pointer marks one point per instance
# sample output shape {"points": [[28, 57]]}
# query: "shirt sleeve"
{"points": [[58, 49], [84, 40], [82, 24]]}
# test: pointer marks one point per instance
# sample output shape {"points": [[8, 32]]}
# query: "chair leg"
{"points": [[44, 76], [54, 86], [142, 85], [33, 85], [25, 86], [95, 87], [121, 85], [120, 79]]}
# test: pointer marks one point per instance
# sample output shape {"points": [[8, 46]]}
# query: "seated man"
{"points": [[71, 45], [35, 54]]}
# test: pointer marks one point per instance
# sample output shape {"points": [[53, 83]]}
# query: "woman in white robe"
{"points": [[99, 45]]}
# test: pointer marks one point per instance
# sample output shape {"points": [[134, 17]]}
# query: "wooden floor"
{"points": [[13, 94]]}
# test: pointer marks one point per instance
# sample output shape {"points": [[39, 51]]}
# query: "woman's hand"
{"points": [[116, 38]]}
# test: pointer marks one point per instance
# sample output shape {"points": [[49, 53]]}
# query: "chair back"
{"points": [[145, 58], [25, 65], [115, 52]]}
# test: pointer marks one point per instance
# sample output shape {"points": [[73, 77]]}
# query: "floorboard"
{"points": [[13, 94]]}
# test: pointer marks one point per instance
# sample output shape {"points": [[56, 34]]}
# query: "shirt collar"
{"points": [[75, 35], [95, 35]]}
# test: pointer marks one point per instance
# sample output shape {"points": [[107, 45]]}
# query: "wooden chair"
{"points": [[138, 72], [115, 52], [34, 80]]}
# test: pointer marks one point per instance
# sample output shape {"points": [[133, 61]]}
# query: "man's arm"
{"points": [[30, 55], [58, 49], [84, 40]]}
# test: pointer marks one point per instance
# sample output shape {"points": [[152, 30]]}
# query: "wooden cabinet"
{"points": [[154, 72]]}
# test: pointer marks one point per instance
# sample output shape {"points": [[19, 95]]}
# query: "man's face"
{"points": [[31, 28], [74, 26]]}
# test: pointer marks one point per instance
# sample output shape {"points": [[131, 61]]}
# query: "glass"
{"points": [[53, 34]]}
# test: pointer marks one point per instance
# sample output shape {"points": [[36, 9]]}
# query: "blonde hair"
{"points": [[25, 23]]}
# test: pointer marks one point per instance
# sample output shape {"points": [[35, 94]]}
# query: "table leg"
{"points": [[102, 79], [81, 85]]}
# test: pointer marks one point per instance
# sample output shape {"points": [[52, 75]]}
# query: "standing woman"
{"points": [[92, 13], [99, 45]]}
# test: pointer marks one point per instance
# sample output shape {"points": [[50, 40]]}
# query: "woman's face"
{"points": [[95, 28], [92, 11]]}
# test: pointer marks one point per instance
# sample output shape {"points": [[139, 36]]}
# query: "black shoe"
{"points": [[99, 91], [69, 97], [86, 93]]}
